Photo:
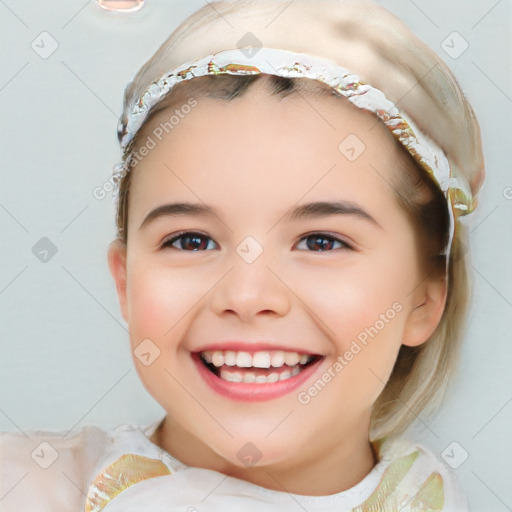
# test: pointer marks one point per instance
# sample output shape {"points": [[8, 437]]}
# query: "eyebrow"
{"points": [[325, 208], [308, 210], [177, 209]]}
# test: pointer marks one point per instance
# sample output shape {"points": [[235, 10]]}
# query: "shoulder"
{"points": [[49, 470], [419, 477]]}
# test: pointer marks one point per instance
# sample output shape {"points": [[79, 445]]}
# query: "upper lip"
{"points": [[252, 347]]}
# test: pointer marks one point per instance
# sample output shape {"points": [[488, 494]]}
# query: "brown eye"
{"points": [[320, 242], [188, 241]]}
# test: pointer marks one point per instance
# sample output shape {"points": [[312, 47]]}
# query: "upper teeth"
{"points": [[263, 359]]}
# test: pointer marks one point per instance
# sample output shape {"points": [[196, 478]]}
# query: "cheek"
{"points": [[158, 299], [362, 313], [353, 299]]}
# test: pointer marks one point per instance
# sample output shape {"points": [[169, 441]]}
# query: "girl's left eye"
{"points": [[321, 242]]}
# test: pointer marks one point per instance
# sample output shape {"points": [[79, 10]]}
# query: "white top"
{"points": [[92, 470]]}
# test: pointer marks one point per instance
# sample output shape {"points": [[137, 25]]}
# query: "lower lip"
{"points": [[250, 392]]}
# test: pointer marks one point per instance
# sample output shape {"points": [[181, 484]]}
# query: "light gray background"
{"points": [[65, 361]]}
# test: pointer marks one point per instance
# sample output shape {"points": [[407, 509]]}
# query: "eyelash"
{"points": [[167, 244]]}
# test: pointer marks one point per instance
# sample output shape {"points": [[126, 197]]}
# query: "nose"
{"points": [[251, 290]]}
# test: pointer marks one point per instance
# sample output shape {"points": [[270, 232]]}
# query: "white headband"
{"points": [[289, 64]]}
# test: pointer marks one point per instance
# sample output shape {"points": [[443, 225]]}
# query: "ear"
{"points": [[117, 265], [428, 303]]}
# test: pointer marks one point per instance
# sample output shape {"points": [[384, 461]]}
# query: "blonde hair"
{"points": [[421, 374]]}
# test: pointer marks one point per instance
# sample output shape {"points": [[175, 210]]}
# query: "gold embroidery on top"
{"points": [[118, 476]]}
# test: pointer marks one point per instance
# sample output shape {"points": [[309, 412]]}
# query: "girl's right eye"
{"points": [[188, 240]]}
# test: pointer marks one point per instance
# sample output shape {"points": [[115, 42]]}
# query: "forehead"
{"points": [[264, 144], [223, 95]]}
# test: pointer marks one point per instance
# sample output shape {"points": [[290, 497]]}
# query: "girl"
{"points": [[289, 264]]}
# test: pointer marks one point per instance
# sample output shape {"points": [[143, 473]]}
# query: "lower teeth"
{"points": [[252, 377]]}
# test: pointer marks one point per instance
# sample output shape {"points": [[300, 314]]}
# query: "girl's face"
{"points": [[288, 241]]}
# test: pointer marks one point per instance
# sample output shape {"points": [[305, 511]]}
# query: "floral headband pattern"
{"points": [[289, 64]]}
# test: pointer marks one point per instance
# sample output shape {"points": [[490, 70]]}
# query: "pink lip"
{"points": [[249, 392]]}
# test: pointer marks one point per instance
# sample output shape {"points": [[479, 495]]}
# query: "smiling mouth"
{"points": [[256, 368]]}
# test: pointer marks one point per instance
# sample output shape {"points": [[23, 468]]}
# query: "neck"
{"points": [[335, 469]]}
